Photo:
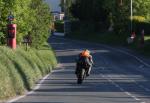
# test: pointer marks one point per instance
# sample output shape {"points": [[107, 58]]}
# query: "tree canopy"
{"points": [[88, 10], [110, 11]]}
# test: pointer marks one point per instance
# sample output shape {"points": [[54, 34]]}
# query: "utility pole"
{"points": [[65, 17], [131, 15], [66, 20]]}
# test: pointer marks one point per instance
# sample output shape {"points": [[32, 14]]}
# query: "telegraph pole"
{"points": [[66, 20], [131, 15], [65, 17]]}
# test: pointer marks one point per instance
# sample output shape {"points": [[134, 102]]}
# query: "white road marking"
{"points": [[137, 99], [141, 66], [140, 60], [127, 53], [37, 86], [121, 89], [146, 89], [129, 94], [15, 99], [141, 86]]}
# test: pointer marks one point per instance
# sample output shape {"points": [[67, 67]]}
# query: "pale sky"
{"points": [[54, 5]]}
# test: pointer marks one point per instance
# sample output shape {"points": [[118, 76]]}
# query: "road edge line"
{"points": [[37, 86]]}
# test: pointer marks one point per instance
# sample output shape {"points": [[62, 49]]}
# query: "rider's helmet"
{"points": [[86, 53]]}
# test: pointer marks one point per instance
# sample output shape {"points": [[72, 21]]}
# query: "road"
{"points": [[118, 76]]}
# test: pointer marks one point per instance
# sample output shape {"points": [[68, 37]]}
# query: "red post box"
{"points": [[11, 35]]}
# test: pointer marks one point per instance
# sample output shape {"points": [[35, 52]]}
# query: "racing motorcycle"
{"points": [[81, 74]]}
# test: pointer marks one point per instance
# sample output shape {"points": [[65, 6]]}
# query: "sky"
{"points": [[54, 5]]}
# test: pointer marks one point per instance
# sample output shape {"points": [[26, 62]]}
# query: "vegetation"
{"points": [[109, 21], [90, 13], [59, 26], [104, 37], [106, 12], [20, 69], [31, 16], [65, 7]]}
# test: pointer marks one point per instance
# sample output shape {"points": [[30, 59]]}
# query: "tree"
{"points": [[31, 16], [121, 13], [88, 10], [142, 8], [66, 7], [41, 23], [91, 13], [116, 12]]}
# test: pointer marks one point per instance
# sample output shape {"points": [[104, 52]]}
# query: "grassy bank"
{"points": [[20, 69]]}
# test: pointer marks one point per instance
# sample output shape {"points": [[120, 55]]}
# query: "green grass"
{"points": [[20, 69]]}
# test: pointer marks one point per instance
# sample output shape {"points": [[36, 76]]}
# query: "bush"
{"points": [[88, 26], [59, 26], [140, 23], [20, 69], [10, 79], [139, 18], [6, 88]]}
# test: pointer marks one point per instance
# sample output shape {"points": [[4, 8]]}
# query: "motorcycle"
{"points": [[81, 74], [81, 69]]}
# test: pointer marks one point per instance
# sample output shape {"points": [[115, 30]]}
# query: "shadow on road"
{"points": [[112, 68]]}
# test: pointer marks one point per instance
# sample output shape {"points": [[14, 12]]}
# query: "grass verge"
{"points": [[20, 69]]}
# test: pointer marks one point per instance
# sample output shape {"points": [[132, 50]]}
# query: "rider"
{"points": [[89, 61]]}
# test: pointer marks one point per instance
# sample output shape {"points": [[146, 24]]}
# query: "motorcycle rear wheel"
{"points": [[81, 76]]}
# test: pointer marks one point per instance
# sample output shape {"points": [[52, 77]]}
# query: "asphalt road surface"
{"points": [[119, 76]]}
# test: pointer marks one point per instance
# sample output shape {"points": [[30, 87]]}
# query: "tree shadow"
{"points": [[110, 70]]}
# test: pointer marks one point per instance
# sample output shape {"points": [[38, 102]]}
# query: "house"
{"points": [[56, 9]]}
